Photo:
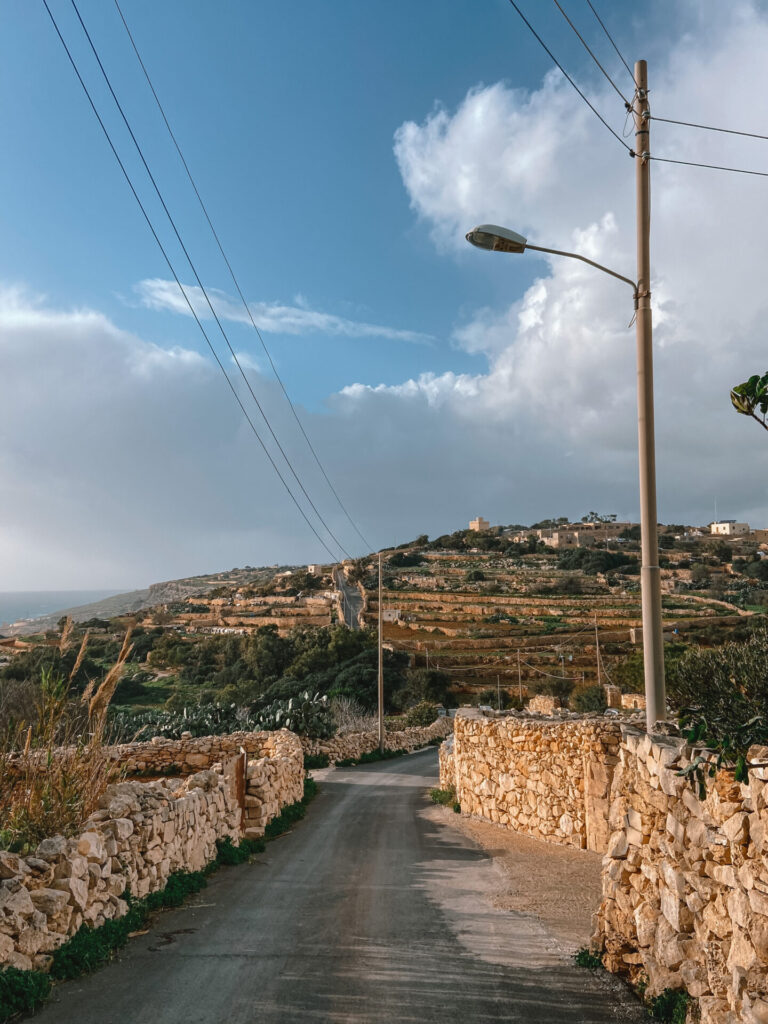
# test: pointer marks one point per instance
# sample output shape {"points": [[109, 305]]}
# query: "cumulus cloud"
{"points": [[560, 358], [270, 317]]}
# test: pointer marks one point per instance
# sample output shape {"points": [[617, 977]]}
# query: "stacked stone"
{"points": [[186, 754], [685, 881], [548, 779], [138, 837], [448, 778], [273, 782], [355, 744], [542, 704]]}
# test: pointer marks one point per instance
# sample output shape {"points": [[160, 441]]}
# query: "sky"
{"points": [[343, 150]]}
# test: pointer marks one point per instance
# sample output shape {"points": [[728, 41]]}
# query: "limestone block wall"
{"points": [[548, 779], [141, 833], [189, 754], [353, 745], [273, 781], [685, 881]]}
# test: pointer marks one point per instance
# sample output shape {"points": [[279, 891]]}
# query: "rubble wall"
{"points": [[685, 881], [354, 744], [547, 778], [141, 833]]}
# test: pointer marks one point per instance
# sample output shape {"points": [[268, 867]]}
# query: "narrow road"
{"points": [[351, 600], [369, 912]]}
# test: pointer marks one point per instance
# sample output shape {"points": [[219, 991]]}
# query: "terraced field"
{"points": [[520, 625]]}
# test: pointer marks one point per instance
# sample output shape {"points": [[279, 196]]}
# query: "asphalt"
{"points": [[352, 601], [369, 912]]}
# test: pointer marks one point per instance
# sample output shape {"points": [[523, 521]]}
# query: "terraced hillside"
{"points": [[521, 622]]}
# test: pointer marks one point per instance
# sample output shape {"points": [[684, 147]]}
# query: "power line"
{"points": [[708, 127], [202, 286], [584, 43], [552, 57], [613, 44], [234, 278], [710, 167], [178, 282]]}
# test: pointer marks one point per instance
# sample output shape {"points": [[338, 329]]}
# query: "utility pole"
{"points": [[381, 670], [498, 691], [519, 679], [597, 651], [653, 638]]}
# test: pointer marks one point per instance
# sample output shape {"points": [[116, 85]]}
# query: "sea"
{"points": [[29, 604]]}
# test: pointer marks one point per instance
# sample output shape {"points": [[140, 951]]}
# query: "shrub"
{"points": [[315, 761], [671, 1006], [229, 855], [21, 991], [591, 699], [422, 714], [587, 958], [293, 812]]}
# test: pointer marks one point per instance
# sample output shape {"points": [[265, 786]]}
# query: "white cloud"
{"points": [[560, 359], [270, 317]]}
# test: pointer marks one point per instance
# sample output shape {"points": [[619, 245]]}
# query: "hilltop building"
{"points": [[729, 528], [479, 524]]}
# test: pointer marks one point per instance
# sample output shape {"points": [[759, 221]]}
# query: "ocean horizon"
{"points": [[31, 604]]}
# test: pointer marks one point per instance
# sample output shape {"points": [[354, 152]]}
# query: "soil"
{"points": [[559, 885]]}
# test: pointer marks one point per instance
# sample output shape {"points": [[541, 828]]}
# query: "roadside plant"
{"points": [[586, 957], [751, 398]]}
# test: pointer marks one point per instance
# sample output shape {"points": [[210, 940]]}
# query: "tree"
{"points": [[474, 576], [591, 699], [751, 399], [424, 684]]}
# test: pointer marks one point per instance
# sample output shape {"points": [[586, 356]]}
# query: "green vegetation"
{"points": [[315, 761], [751, 398], [21, 992], [370, 757], [585, 957], [422, 714], [446, 798], [293, 813], [592, 561], [590, 699], [671, 1006], [721, 696]]}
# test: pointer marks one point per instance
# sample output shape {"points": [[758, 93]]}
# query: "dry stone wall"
{"points": [[547, 778], [142, 833], [685, 881], [354, 744]]}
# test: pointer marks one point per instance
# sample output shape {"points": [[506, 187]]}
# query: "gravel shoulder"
{"points": [[556, 884]]}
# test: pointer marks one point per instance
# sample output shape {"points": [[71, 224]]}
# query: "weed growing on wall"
{"points": [[315, 761], [293, 813], [671, 1006], [446, 797]]}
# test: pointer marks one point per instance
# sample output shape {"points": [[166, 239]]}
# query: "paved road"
{"points": [[352, 601], [370, 912]]}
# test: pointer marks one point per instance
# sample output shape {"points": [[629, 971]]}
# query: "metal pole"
{"points": [[381, 671], [650, 578]]}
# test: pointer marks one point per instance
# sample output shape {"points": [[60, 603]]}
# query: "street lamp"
{"points": [[499, 239]]}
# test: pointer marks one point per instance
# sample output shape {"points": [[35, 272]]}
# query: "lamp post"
{"points": [[498, 239]]}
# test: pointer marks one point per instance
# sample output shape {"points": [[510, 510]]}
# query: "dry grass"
{"points": [[53, 765], [349, 716]]}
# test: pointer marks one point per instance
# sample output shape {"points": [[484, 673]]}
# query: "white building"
{"points": [[729, 528]]}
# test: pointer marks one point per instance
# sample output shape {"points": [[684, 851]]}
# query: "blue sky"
{"points": [[426, 391]]}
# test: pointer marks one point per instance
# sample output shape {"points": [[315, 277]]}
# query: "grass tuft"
{"points": [[587, 958]]}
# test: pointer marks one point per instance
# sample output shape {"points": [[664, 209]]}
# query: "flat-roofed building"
{"points": [[729, 528], [479, 524]]}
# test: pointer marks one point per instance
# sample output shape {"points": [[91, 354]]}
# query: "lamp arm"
{"points": [[598, 266]]}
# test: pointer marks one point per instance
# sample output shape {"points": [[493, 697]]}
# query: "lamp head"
{"points": [[497, 239]]}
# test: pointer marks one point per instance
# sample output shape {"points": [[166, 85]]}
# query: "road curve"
{"points": [[369, 912], [351, 600]]}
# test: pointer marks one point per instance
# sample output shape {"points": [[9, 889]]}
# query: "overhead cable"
{"points": [[708, 127], [613, 44], [234, 278], [552, 57], [584, 43], [202, 286], [178, 282], [710, 167]]}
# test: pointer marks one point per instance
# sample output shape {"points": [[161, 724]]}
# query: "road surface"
{"points": [[369, 912], [351, 600]]}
